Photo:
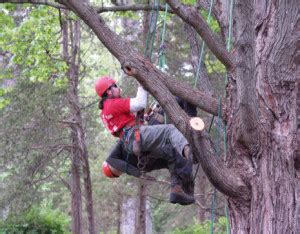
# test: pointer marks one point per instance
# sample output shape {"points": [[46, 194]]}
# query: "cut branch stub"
{"points": [[197, 124], [129, 69]]}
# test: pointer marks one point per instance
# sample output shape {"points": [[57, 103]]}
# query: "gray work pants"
{"points": [[155, 138], [166, 142]]}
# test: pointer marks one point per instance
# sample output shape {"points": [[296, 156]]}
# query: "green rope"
{"points": [[227, 223], [214, 199], [228, 46], [229, 38], [198, 72], [202, 47], [226, 206], [161, 55], [156, 5], [213, 205], [152, 30]]}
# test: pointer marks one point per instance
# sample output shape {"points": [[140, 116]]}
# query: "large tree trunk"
{"points": [[263, 128]]}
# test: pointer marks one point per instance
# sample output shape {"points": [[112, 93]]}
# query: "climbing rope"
{"points": [[149, 42], [218, 143], [202, 46], [198, 72], [151, 36], [228, 46], [152, 30], [162, 47], [229, 41]]}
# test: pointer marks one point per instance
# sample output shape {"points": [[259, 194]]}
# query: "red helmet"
{"points": [[103, 84], [107, 170]]}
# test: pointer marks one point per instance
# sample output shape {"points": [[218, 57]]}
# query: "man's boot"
{"points": [[177, 194], [188, 187]]}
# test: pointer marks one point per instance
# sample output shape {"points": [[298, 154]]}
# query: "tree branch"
{"points": [[225, 180], [64, 182], [221, 14], [192, 17], [137, 7], [148, 75], [37, 2], [152, 179]]}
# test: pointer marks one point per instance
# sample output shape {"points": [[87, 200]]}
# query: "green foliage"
{"points": [[189, 2], [6, 20], [213, 23], [203, 228], [28, 121], [33, 42], [3, 101], [37, 220], [127, 14], [213, 65]]}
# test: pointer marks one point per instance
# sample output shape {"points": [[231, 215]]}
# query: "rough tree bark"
{"points": [[71, 38], [76, 208], [260, 111], [141, 208], [262, 129]]}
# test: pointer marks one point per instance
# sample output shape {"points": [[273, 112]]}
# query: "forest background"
{"points": [[37, 155]]}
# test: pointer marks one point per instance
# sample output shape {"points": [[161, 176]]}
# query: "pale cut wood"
{"points": [[197, 124]]}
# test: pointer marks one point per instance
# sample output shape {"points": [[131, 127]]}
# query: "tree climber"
{"points": [[145, 146]]}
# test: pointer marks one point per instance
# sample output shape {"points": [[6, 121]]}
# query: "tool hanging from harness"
{"points": [[132, 141], [155, 114]]}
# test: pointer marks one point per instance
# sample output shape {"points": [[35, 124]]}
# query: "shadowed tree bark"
{"points": [[259, 176], [80, 163], [76, 200]]}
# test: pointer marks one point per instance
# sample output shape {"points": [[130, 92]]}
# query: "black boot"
{"points": [[177, 194], [188, 187]]}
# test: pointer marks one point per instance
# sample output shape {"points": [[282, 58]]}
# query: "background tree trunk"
{"points": [[79, 150], [76, 208], [76, 213], [141, 208], [128, 216]]}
